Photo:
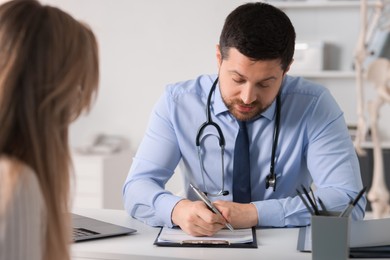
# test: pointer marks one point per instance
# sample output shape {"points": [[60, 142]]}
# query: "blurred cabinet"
{"points": [[366, 168], [99, 179]]}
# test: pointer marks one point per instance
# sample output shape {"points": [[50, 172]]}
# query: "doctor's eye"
{"points": [[238, 80]]}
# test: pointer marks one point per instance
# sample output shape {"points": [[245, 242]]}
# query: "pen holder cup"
{"points": [[330, 236]]}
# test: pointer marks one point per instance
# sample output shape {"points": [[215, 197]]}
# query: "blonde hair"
{"points": [[48, 76]]}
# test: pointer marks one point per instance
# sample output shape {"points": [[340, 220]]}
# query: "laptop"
{"points": [[85, 228]]}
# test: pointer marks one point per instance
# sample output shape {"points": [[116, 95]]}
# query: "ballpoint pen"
{"points": [[206, 200], [352, 204]]}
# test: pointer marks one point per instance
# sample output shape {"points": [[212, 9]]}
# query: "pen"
{"points": [[305, 202], [352, 204], [206, 200], [314, 198], [322, 206], [316, 212]]}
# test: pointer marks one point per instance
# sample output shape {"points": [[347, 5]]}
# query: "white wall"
{"points": [[145, 45]]}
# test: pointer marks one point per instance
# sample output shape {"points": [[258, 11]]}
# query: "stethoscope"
{"points": [[271, 177]]}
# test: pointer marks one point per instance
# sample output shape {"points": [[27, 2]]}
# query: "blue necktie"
{"points": [[241, 167]]}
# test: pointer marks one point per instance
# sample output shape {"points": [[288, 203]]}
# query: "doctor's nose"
{"points": [[248, 94]]}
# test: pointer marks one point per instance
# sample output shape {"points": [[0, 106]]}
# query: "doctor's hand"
{"points": [[196, 219], [239, 215]]}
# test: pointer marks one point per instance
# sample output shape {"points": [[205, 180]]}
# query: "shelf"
{"points": [[369, 145], [317, 4], [326, 74]]}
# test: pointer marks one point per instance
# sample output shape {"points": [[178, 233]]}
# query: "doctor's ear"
{"points": [[288, 67], [218, 55]]}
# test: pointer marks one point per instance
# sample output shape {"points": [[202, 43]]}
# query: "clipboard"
{"points": [[199, 242]]}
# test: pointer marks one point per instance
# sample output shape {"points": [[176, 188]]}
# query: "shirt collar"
{"points": [[220, 107], [218, 104]]}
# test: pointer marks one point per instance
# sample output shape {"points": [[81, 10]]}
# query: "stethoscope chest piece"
{"points": [[270, 181]]}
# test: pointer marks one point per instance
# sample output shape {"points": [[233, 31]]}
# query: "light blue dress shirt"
{"points": [[314, 147]]}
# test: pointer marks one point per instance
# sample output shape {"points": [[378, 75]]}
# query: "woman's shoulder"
{"points": [[18, 180]]}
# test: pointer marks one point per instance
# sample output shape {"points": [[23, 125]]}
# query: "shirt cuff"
{"points": [[164, 206], [270, 213]]}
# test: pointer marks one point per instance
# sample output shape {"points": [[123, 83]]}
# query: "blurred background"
{"points": [[145, 45]]}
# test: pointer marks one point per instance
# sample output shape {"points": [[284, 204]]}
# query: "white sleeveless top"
{"points": [[22, 214]]}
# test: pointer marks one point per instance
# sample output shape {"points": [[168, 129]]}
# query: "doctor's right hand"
{"points": [[196, 219]]}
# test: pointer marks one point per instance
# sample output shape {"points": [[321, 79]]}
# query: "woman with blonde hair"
{"points": [[48, 76]]}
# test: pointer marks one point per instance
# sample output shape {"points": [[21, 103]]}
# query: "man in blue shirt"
{"points": [[313, 146]]}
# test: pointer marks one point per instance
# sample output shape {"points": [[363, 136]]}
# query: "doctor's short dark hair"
{"points": [[260, 32]]}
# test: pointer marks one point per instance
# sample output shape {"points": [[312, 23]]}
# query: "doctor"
{"points": [[296, 134]]}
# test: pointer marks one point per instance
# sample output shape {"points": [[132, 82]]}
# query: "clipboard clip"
{"points": [[205, 242]]}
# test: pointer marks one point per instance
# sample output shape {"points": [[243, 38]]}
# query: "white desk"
{"points": [[272, 243], [278, 243]]}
